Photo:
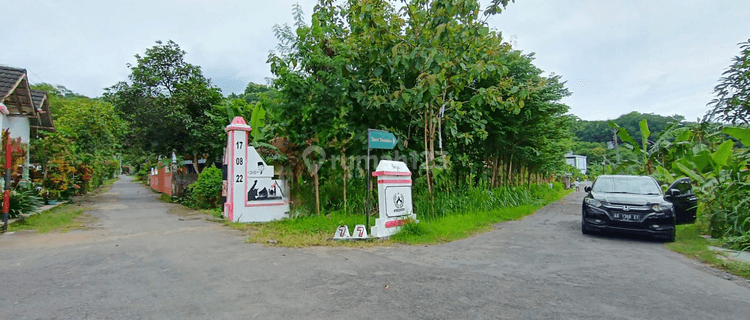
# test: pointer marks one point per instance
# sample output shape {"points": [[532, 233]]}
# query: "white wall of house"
{"points": [[19, 127]]}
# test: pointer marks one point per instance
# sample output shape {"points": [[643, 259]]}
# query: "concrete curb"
{"points": [[732, 255]]}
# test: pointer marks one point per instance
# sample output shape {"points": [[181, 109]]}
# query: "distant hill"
{"points": [[599, 131]]}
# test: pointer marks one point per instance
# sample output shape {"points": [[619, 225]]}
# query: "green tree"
{"points": [[165, 103], [254, 93], [92, 124], [599, 131], [87, 138], [427, 71], [732, 102]]}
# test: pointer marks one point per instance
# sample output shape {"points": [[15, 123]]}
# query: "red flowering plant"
{"points": [[83, 175], [58, 178]]}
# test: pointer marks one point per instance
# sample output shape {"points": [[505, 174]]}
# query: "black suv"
{"points": [[636, 204]]}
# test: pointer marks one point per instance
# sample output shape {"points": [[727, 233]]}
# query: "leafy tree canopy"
{"points": [[429, 70], [599, 131], [165, 101], [254, 93], [732, 102]]}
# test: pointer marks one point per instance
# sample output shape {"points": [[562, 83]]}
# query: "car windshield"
{"points": [[634, 185]]}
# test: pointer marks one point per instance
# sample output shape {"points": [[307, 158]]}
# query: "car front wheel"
{"points": [[671, 236]]}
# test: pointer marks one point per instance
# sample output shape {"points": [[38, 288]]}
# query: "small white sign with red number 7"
{"points": [[360, 232], [342, 233]]}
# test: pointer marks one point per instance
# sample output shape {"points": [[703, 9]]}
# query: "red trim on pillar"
{"points": [[230, 178], [230, 212], [393, 223]]}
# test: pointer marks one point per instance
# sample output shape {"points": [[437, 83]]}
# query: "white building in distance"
{"points": [[577, 161]]}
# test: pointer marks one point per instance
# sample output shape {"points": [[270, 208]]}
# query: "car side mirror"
{"points": [[673, 192], [587, 189]]}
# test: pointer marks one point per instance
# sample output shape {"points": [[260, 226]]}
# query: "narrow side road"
{"points": [[142, 261]]}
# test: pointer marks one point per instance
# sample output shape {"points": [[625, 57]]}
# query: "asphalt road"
{"points": [[142, 262]]}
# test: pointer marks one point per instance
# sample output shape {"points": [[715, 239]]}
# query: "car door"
{"points": [[685, 203]]}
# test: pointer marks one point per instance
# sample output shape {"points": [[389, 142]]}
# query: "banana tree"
{"points": [[641, 150], [723, 184]]}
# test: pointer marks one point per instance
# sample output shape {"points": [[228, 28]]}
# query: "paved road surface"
{"points": [[142, 262]]}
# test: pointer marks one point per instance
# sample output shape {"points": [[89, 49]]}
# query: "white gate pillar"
{"points": [[252, 193]]}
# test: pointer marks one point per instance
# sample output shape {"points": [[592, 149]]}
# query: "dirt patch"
{"points": [[88, 221], [184, 212]]}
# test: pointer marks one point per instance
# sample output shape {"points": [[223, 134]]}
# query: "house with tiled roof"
{"points": [[44, 115], [23, 111]]}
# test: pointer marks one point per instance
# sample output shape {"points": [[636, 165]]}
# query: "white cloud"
{"points": [[650, 56]]}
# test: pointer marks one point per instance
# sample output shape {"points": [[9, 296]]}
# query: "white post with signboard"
{"points": [[252, 193], [394, 194]]}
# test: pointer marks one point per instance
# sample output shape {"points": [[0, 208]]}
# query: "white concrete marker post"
{"points": [[394, 196], [342, 233], [360, 232], [252, 193]]}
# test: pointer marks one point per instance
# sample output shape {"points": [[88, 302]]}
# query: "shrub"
{"points": [[186, 199], [22, 200], [206, 192]]}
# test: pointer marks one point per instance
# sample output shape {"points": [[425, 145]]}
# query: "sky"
{"points": [[661, 57]]}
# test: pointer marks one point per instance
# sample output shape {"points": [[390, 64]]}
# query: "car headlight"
{"points": [[661, 207], [593, 202]]}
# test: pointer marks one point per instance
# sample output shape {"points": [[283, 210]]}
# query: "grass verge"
{"points": [[61, 218], [690, 243], [304, 231], [455, 227], [316, 230], [109, 182]]}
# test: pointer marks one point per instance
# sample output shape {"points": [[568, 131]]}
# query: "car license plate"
{"points": [[625, 216]]}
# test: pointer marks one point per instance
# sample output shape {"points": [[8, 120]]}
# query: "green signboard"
{"points": [[381, 139], [376, 139]]}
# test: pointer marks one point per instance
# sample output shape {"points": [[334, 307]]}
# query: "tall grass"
{"points": [[726, 215], [469, 199]]}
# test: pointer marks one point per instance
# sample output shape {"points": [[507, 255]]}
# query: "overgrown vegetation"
{"points": [[462, 101], [81, 154]]}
